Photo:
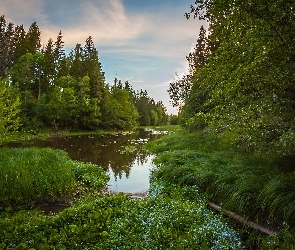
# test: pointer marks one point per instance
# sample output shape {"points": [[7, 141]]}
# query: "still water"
{"points": [[121, 155]]}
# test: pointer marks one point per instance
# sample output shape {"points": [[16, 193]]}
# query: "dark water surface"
{"points": [[121, 155]]}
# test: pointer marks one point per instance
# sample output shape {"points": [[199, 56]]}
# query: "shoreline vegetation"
{"points": [[17, 136], [244, 185], [96, 218], [169, 218], [175, 214]]}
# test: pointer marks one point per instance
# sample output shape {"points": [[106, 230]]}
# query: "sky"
{"points": [[143, 41]]}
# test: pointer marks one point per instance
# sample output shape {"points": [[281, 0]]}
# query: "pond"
{"points": [[120, 154]]}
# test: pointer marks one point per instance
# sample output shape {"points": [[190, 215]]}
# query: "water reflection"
{"points": [[135, 180], [121, 155]]}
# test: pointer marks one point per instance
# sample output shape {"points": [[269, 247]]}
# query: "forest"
{"points": [[43, 87]]}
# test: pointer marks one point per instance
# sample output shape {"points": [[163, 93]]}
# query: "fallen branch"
{"points": [[243, 220]]}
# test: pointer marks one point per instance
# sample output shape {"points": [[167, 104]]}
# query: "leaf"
{"points": [[104, 234]]}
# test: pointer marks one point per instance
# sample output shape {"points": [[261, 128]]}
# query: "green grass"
{"points": [[22, 136], [32, 175], [255, 187]]}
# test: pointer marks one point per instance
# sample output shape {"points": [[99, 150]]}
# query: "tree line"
{"points": [[242, 75], [47, 88]]}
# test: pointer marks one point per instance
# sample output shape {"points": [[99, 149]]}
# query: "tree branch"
{"points": [[242, 220]]}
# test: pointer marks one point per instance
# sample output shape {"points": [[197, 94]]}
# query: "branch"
{"points": [[243, 220]]}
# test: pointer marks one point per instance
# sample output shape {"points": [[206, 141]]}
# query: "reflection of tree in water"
{"points": [[107, 151], [123, 163], [142, 157]]}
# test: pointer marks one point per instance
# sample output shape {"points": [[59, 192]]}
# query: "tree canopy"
{"points": [[243, 73]]}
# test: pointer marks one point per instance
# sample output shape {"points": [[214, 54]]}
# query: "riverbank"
{"points": [[192, 170], [168, 218], [255, 187], [19, 136]]}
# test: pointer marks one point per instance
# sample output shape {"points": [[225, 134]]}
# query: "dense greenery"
{"points": [[258, 189], [242, 77], [238, 102], [50, 89], [171, 218], [30, 176], [9, 110]]}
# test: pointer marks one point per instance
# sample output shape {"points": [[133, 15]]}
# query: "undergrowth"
{"points": [[171, 218], [257, 188]]}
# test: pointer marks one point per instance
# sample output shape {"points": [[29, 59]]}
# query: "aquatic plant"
{"points": [[173, 218]]}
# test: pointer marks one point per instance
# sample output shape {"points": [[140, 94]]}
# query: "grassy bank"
{"points": [[259, 189], [171, 218], [192, 170], [31, 175]]}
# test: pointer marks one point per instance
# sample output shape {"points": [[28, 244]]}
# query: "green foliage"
{"points": [[150, 113], [120, 113], [246, 84], [62, 91], [81, 226], [91, 175], [246, 184], [172, 218], [9, 109], [31, 175]]}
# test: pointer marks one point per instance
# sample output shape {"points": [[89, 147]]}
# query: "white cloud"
{"points": [[107, 22], [23, 11]]}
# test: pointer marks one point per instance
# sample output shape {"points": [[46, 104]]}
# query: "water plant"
{"points": [[171, 218]]}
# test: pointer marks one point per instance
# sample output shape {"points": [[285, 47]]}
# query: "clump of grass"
{"points": [[31, 174], [34, 175]]}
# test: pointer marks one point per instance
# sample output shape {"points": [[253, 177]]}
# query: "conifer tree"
{"points": [[33, 39]]}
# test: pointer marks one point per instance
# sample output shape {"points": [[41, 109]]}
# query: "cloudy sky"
{"points": [[143, 41]]}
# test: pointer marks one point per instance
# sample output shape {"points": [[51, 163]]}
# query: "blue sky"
{"points": [[143, 41]]}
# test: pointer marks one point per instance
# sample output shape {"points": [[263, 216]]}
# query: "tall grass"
{"points": [[246, 184], [32, 174]]}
